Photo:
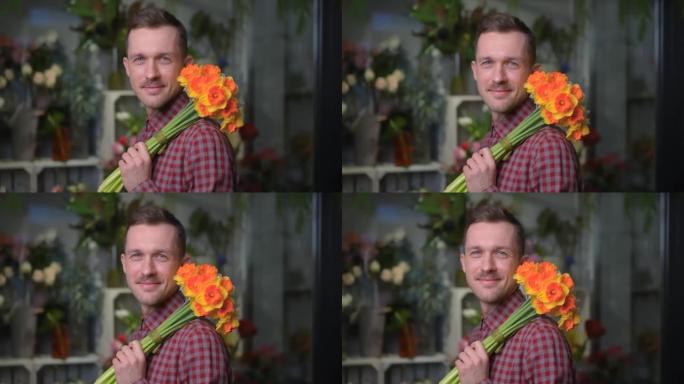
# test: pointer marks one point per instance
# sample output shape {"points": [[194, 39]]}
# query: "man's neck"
{"points": [[152, 111]]}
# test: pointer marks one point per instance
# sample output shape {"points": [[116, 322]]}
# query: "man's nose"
{"points": [[499, 73], [148, 267], [488, 263], [151, 70]]}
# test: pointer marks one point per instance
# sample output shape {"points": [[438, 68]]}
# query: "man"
{"points": [[537, 353], [200, 159], [154, 250], [546, 162]]}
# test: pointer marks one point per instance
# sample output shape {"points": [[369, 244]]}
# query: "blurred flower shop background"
{"points": [[65, 307], [406, 306], [410, 108], [67, 112]]}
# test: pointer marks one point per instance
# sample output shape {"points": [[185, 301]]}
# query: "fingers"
{"points": [[479, 350], [136, 155], [137, 350], [142, 151]]}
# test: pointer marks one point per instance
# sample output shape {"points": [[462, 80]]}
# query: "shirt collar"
{"points": [[511, 120], [499, 313], [159, 118], [155, 317]]}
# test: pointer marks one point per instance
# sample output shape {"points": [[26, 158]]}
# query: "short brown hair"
{"points": [[152, 215], [491, 213], [503, 22], [153, 17]]}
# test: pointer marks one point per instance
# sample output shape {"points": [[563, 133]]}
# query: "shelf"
{"points": [[388, 360], [377, 178], [35, 368], [41, 361], [21, 176], [450, 129]]}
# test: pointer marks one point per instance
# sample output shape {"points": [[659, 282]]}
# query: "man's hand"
{"points": [[473, 364], [480, 171], [136, 166], [129, 363]]}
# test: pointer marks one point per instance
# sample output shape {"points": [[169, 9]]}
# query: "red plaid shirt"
{"points": [[199, 159], [545, 162], [537, 353], [194, 354]]}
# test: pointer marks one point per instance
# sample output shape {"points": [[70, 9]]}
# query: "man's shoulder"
{"points": [[541, 328]]}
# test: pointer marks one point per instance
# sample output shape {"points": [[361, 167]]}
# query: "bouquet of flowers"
{"points": [[208, 295], [559, 102], [212, 95], [548, 293]]}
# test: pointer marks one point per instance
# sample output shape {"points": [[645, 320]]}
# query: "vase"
{"points": [[24, 124], [61, 144], [60, 342], [403, 149], [371, 330], [407, 342], [23, 325], [366, 130]]}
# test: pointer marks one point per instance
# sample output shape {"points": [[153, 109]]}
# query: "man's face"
{"points": [[501, 67], [150, 260], [153, 62], [489, 261]]}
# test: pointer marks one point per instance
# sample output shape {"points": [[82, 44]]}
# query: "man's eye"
{"points": [[512, 64], [165, 60], [138, 60]]}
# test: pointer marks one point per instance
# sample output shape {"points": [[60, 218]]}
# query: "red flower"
{"points": [[246, 329], [594, 329], [248, 132]]}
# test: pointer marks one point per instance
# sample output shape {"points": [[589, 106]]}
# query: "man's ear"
{"points": [[123, 265], [536, 67], [188, 60], [185, 259], [472, 68], [125, 64]]}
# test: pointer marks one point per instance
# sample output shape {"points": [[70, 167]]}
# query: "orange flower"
{"points": [[212, 296], [553, 294], [562, 104], [188, 73], [536, 79], [227, 284], [568, 322], [540, 307], [211, 70], [576, 91], [229, 83], [227, 325], [198, 309], [227, 309], [185, 272], [569, 305], [566, 280], [215, 98], [524, 271]]}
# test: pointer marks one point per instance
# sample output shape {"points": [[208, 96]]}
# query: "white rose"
{"points": [[399, 74], [9, 74], [357, 271], [469, 313], [380, 83], [346, 300], [404, 266], [374, 266], [2, 300], [386, 275], [436, 54], [121, 313], [399, 235], [344, 107], [348, 279], [2, 102], [3, 280], [93, 48], [39, 78], [369, 75], [51, 38], [56, 267], [393, 43], [123, 116], [26, 69], [3, 82], [92, 245], [441, 245], [25, 267], [50, 276], [351, 79], [38, 276], [51, 235], [465, 121], [8, 271], [345, 88], [392, 84], [397, 278]]}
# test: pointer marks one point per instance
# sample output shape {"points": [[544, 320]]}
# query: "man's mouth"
{"points": [[153, 88], [488, 281], [499, 91], [148, 285]]}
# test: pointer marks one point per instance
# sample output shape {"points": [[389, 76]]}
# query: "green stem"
{"points": [[166, 329], [183, 119], [528, 127], [521, 317]]}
